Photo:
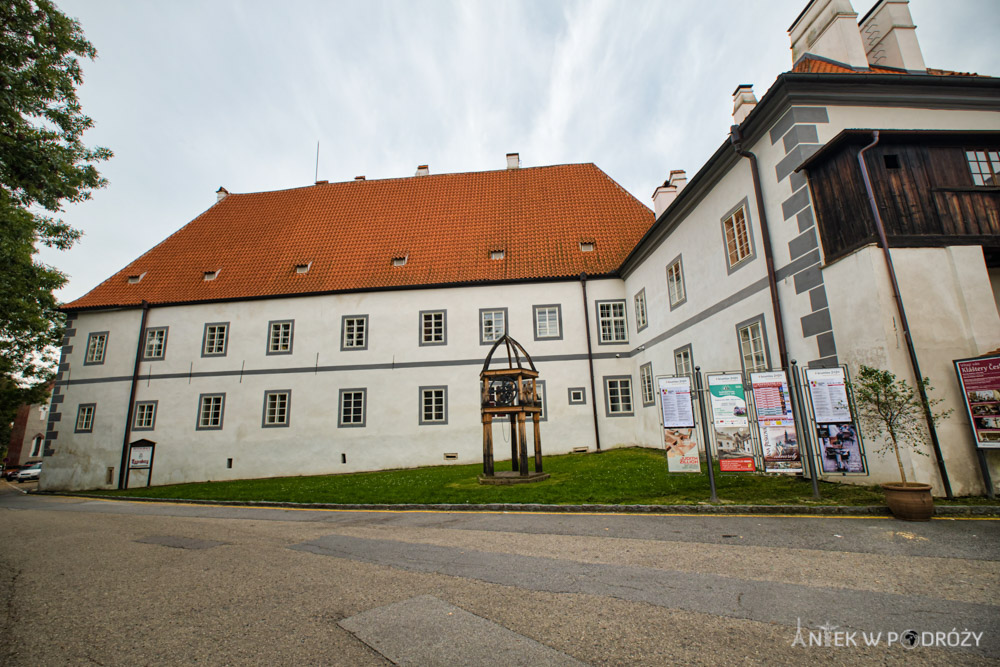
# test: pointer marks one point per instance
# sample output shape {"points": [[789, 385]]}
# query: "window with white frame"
{"points": [[611, 322], [752, 350], [433, 405], [97, 344], [352, 407], [675, 283], [279, 337], [547, 322], [433, 327], [641, 320], [215, 339], [683, 363], [985, 167], [85, 417], [210, 411], [738, 246], [145, 416], [354, 332], [156, 344], [577, 396], [493, 324], [646, 384], [618, 390], [277, 406]]}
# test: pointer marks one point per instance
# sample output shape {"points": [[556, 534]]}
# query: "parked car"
{"points": [[10, 472], [29, 472]]}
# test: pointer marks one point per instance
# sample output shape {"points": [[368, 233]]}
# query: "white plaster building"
{"points": [[341, 327]]}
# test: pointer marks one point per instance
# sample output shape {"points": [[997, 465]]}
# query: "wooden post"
{"points": [[513, 444], [538, 442], [488, 445], [524, 444]]}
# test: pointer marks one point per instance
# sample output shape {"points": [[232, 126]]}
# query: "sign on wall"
{"points": [[678, 424], [980, 380], [837, 436], [140, 457], [775, 422], [730, 422]]}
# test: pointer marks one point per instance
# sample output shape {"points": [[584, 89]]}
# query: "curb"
{"points": [[945, 511]]}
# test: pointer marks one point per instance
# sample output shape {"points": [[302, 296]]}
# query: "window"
{"points": [[85, 417], [675, 283], [277, 404], [210, 409], [496, 254], [540, 390], [683, 362], [641, 321], [577, 396], [145, 416], [433, 327], [753, 353], [279, 337], [618, 391], [36, 445], [548, 322], [646, 384], [156, 344], [739, 243], [352, 407], [434, 405], [492, 325], [611, 322], [985, 167], [215, 340], [354, 332], [97, 345], [586, 246], [399, 261]]}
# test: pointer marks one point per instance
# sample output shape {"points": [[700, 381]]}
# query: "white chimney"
{"points": [[513, 161], [890, 38], [743, 102], [666, 193], [423, 170], [220, 194], [829, 29]]}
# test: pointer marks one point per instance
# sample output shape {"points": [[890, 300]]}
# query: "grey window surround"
{"points": [[679, 261], [270, 335], [225, 342], [640, 298], [104, 349], [763, 338], [597, 319], [745, 205], [145, 343], [583, 395], [652, 385], [364, 407], [684, 348], [343, 333], [606, 380], [135, 417], [420, 407], [222, 411], [559, 323], [288, 408], [506, 324], [89, 428], [444, 327]]}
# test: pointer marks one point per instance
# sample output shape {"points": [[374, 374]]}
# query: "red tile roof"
{"points": [[445, 224], [808, 65]]}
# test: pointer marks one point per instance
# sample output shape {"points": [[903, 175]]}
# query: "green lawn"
{"points": [[632, 476]]}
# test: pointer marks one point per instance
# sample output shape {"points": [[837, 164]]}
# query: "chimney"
{"points": [[829, 29], [743, 102], [666, 193], [890, 38], [423, 170], [513, 161], [220, 194]]}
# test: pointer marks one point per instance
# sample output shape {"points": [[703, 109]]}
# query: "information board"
{"points": [[980, 380], [776, 422], [730, 422]]}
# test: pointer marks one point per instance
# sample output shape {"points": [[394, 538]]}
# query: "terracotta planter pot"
{"points": [[911, 501]]}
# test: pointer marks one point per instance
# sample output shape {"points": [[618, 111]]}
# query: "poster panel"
{"points": [[140, 456], [837, 439], [730, 423], [678, 424], [980, 380], [778, 437], [828, 395], [682, 450], [840, 448]]}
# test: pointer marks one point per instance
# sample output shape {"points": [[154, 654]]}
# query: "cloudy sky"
{"points": [[192, 94]]}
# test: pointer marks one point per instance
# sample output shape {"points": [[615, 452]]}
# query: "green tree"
{"points": [[43, 165]]}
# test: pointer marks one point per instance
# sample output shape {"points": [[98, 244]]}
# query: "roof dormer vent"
{"points": [[423, 170], [211, 275], [303, 267], [359, 178], [586, 246], [220, 194], [400, 260], [135, 278], [496, 254]]}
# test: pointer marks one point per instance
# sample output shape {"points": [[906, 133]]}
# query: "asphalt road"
{"points": [[120, 583]]}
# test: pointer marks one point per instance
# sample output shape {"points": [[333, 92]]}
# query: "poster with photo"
{"points": [[839, 448], [980, 380], [778, 438], [730, 422], [682, 450], [838, 441]]}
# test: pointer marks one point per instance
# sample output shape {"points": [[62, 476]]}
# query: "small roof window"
{"points": [[496, 254], [135, 278], [400, 260], [211, 275], [586, 246], [303, 267]]}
